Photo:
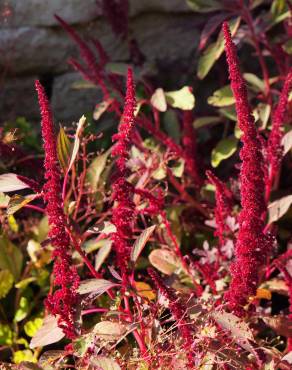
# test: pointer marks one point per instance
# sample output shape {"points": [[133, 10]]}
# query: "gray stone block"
{"points": [[41, 12], [68, 102]]}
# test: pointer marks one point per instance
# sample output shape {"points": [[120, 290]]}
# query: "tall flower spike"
{"points": [[63, 301], [190, 147], [275, 149], [124, 135], [124, 210], [252, 245], [223, 208]]}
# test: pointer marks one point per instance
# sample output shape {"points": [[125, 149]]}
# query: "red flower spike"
{"points": [[124, 211], [63, 301], [252, 246], [190, 147], [223, 208], [275, 149]]}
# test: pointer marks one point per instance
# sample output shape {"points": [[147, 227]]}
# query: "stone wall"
{"points": [[33, 45]]}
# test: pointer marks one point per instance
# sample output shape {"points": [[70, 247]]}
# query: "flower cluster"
{"points": [[63, 301], [252, 245], [223, 208], [92, 72], [124, 209], [274, 148], [190, 147], [116, 12]]}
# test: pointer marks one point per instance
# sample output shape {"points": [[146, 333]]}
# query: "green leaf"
{"points": [[264, 111], [182, 99], [229, 112], [22, 309], [288, 47], [4, 200], [158, 100], [140, 243], [214, 50], [25, 355], [222, 97], [171, 125], [96, 168], [10, 182], [17, 202], [13, 223], [237, 132], [178, 168], [254, 81], [101, 108], [64, 148], [206, 121], [31, 327], [76, 144], [6, 282], [204, 6], [6, 335], [11, 257], [287, 142], [223, 150]]}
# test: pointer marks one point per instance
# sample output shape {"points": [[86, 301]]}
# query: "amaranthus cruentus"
{"points": [[190, 147], [124, 210], [252, 245], [223, 208], [274, 148], [178, 313], [62, 302]]}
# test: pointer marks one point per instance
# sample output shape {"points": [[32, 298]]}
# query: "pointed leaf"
{"points": [[214, 50], [140, 242], [76, 145], [223, 150], [109, 330], [17, 202], [6, 282], [222, 97], [238, 329], [278, 208], [48, 333], [98, 286], [96, 168], [287, 142], [158, 100], [104, 363], [182, 99], [10, 182], [11, 257], [164, 260], [102, 255], [64, 148]]}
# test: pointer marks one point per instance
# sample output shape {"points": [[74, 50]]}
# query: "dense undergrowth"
{"points": [[169, 247]]}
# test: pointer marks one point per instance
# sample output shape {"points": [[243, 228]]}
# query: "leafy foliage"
{"points": [[149, 191]]}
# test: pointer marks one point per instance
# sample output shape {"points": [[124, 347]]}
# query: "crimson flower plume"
{"points": [[62, 302], [252, 245], [124, 210]]}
